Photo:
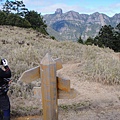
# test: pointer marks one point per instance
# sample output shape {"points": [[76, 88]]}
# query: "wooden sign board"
{"points": [[61, 94], [37, 92], [58, 63], [67, 95], [30, 75], [63, 84]]}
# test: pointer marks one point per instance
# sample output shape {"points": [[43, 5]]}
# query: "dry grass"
{"points": [[25, 48]]}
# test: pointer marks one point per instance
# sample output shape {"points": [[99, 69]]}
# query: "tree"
{"points": [[18, 15], [3, 17], [52, 37], [105, 36], [36, 21], [117, 38], [80, 40], [7, 7], [15, 20], [19, 8], [117, 28], [109, 37], [89, 41]]}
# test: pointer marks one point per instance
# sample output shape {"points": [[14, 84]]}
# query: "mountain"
{"points": [[71, 25]]}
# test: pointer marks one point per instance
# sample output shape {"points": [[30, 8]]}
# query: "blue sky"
{"points": [[108, 7]]}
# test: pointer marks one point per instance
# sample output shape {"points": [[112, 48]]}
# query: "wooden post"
{"points": [[49, 88]]}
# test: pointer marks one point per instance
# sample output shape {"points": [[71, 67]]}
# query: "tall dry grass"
{"points": [[25, 48]]}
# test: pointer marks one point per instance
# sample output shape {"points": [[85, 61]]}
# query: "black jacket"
{"points": [[4, 74], [4, 100]]}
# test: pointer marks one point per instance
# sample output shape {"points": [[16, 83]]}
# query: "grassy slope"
{"points": [[25, 48]]}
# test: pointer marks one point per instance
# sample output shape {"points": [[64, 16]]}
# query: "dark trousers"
{"points": [[5, 107]]}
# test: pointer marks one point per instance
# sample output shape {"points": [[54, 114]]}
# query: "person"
{"points": [[5, 75]]}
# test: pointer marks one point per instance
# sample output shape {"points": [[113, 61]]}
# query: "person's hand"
{"points": [[10, 81], [4, 62]]}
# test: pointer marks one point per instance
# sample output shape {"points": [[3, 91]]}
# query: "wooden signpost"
{"points": [[52, 87]]}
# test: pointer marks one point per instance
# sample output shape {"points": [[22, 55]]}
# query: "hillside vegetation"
{"points": [[25, 48]]}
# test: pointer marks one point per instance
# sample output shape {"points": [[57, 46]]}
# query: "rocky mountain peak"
{"points": [[95, 14], [58, 11]]}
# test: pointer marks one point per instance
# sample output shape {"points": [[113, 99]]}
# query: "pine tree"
{"points": [[7, 7], [117, 38], [109, 37], [17, 7], [89, 41], [3, 17], [105, 36], [36, 21], [80, 40]]}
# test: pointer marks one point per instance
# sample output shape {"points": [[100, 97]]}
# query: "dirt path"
{"points": [[107, 113], [98, 101]]}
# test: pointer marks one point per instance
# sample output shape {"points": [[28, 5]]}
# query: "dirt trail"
{"points": [[101, 102]]}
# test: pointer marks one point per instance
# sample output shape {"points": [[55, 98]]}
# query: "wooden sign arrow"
{"points": [[58, 63], [30, 75], [60, 95], [63, 84], [67, 95]]}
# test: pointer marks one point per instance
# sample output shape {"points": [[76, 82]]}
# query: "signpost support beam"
{"points": [[49, 88]]}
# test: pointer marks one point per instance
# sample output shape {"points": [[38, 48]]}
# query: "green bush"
{"points": [[3, 17], [36, 21], [15, 20]]}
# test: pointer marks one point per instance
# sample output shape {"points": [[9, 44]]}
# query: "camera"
{"points": [[1, 63]]}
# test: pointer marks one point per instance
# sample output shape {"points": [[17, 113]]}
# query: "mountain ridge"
{"points": [[71, 25]]}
